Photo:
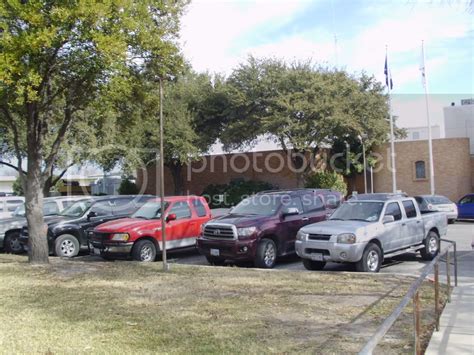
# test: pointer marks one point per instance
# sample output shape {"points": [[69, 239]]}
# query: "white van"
{"points": [[9, 204]]}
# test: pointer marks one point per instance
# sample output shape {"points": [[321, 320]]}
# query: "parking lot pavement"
{"points": [[411, 263]]}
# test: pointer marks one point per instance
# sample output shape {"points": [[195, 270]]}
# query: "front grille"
{"points": [[319, 236], [215, 231], [319, 251], [98, 236]]}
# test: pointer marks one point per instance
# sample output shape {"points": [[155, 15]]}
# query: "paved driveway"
{"points": [[410, 263]]}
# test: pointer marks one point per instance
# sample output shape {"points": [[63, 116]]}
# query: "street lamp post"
{"points": [[361, 138], [162, 184]]}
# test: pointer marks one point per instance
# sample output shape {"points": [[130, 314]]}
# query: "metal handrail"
{"points": [[412, 294]]}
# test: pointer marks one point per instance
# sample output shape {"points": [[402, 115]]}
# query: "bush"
{"points": [[17, 187], [128, 187], [327, 180], [233, 193]]}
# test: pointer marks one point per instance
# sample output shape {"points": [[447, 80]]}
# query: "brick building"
{"points": [[454, 170], [453, 167]]}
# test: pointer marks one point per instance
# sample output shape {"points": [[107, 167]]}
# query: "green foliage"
{"points": [[233, 192], [128, 187], [303, 106], [17, 187], [327, 180], [60, 63]]}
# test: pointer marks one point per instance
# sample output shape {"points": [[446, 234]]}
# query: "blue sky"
{"points": [[218, 35]]}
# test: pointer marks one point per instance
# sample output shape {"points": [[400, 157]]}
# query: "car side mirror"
{"points": [[388, 219], [171, 217], [91, 214], [291, 211]]}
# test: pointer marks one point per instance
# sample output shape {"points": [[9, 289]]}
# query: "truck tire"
{"points": [[213, 260], [313, 265], [11, 243], [144, 250], [371, 259], [431, 248], [265, 257], [66, 246]]}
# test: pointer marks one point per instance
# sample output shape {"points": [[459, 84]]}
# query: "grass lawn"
{"points": [[127, 307]]}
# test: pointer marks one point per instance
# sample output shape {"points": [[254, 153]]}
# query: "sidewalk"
{"points": [[456, 331]]}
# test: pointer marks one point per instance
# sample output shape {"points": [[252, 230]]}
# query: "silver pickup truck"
{"points": [[365, 231]]}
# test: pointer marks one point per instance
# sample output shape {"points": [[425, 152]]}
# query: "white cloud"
{"points": [[211, 29]]}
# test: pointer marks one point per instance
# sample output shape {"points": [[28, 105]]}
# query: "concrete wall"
{"points": [[453, 168], [459, 122]]}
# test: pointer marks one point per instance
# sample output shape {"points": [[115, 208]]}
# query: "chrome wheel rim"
{"points": [[146, 254], [269, 254], [67, 247], [372, 260], [432, 245]]}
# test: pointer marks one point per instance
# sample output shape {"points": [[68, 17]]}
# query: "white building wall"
{"points": [[421, 133], [459, 122]]}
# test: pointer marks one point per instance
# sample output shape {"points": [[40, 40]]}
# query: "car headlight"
{"points": [[346, 238], [301, 236], [246, 232], [120, 237]]}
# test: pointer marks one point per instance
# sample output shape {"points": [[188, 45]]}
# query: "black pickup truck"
{"points": [[67, 232], [264, 226]]}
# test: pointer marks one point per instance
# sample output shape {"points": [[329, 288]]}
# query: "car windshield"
{"points": [[151, 209], [263, 205], [358, 211], [438, 200], [20, 211], [77, 209]]}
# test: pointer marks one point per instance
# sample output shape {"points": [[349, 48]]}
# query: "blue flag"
{"points": [[388, 74]]}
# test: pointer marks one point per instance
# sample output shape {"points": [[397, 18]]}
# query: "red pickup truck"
{"points": [[139, 236]]}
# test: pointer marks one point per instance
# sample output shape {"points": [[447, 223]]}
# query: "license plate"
{"points": [[215, 252], [317, 257]]}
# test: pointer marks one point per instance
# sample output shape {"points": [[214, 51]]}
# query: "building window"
{"points": [[420, 170]]}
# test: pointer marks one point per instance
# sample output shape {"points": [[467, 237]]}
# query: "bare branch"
{"points": [[11, 166], [16, 139], [60, 176]]}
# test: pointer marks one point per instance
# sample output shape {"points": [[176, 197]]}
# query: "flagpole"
{"points": [[430, 141], [392, 136]]}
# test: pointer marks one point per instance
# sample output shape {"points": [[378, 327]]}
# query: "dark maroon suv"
{"points": [[264, 226]]}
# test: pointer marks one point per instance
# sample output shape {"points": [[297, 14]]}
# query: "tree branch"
{"points": [[68, 113], [11, 166], [60, 176], [16, 143]]}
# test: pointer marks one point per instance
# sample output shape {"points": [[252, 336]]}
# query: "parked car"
{"points": [[67, 232], [363, 232], [10, 228], [140, 235], [466, 207], [264, 226], [431, 203], [8, 205]]}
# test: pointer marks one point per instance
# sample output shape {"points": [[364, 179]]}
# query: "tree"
{"points": [[304, 107], [193, 111], [327, 180], [128, 187], [57, 59]]}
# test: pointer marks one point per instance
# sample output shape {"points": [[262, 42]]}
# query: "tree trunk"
{"points": [[176, 172], [37, 242]]}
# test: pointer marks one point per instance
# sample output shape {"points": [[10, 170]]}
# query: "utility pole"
{"points": [[162, 185], [430, 140], [392, 135]]}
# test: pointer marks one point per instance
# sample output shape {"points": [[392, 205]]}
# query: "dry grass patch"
{"points": [[127, 307]]}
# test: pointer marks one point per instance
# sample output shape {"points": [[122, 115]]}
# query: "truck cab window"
{"points": [[409, 209], [181, 210], [393, 209]]}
